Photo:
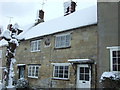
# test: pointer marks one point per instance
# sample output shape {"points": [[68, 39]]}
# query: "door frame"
{"points": [[19, 66], [90, 74]]}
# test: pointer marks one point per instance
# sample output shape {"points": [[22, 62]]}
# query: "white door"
{"points": [[83, 76]]}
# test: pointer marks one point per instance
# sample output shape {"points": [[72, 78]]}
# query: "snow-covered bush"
{"points": [[22, 83], [110, 79]]}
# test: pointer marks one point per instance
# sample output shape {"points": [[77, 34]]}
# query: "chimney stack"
{"points": [[69, 7], [41, 14], [40, 17]]}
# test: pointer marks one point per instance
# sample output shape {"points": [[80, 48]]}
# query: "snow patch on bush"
{"points": [[22, 83], [110, 75]]}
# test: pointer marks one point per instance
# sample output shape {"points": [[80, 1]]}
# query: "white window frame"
{"points": [[62, 43], [0, 54], [61, 64], [113, 48], [32, 74], [35, 45]]}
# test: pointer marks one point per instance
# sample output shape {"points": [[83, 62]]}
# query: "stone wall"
{"points": [[83, 45], [107, 34]]}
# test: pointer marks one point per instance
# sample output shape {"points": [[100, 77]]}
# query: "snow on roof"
{"points": [[27, 27], [111, 75], [3, 42], [80, 61], [79, 18], [20, 64]]}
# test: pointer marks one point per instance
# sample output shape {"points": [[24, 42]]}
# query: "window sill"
{"points": [[66, 79], [56, 48], [36, 51], [115, 71], [32, 77]]}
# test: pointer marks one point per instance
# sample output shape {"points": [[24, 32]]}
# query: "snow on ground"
{"points": [[1, 85], [79, 18]]}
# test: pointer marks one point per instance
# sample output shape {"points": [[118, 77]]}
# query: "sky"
{"points": [[24, 12]]}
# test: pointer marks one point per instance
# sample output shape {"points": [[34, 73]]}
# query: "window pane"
{"points": [[61, 67], [114, 67], [66, 67], [81, 69], [118, 67], [81, 77], [86, 70], [29, 72], [35, 45], [56, 67], [66, 76], [114, 60], [38, 45], [114, 53], [36, 74], [31, 46], [118, 60], [60, 75], [67, 40], [62, 41], [56, 73], [66, 71], [57, 41], [33, 69], [118, 53], [87, 77], [61, 70]]}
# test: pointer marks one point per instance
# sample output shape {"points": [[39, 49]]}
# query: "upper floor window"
{"points": [[61, 71], [115, 58], [33, 71], [35, 45], [62, 41]]}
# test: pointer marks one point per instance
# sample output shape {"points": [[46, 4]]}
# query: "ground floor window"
{"points": [[61, 71], [115, 58], [33, 71]]}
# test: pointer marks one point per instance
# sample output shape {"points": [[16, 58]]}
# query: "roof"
{"points": [[80, 18]]}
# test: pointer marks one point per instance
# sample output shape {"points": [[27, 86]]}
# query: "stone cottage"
{"points": [[60, 53]]}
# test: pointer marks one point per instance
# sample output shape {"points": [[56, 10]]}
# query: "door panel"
{"points": [[83, 76]]}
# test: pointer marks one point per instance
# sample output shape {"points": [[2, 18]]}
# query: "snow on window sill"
{"points": [[56, 78], [36, 51], [32, 77]]}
